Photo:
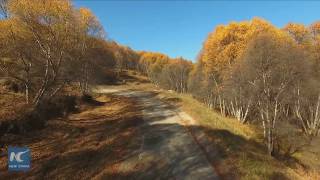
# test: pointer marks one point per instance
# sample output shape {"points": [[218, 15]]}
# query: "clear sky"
{"points": [[178, 28]]}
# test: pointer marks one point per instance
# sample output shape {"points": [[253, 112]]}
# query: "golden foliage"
{"points": [[299, 32], [227, 43]]}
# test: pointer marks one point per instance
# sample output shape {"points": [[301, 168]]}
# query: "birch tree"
{"points": [[47, 45], [272, 66]]}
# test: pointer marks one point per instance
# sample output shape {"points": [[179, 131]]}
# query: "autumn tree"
{"points": [[314, 50], [227, 43], [239, 98], [87, 35], [222, 49], [46, 40], [126, 58], [298, 32], [175, 75], [306, 107], [272, 67], [17, 58], [152, 64]]}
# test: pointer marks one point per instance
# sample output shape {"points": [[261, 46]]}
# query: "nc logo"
{"points": [[18, 159]]}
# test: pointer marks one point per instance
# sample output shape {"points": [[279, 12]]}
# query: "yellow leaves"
{"points": [[10, 31], [42, 15], [315, 27], [153, 58], [86, 14], [180, 62], [227, 44], [298, 32], [4, 26], [87, 18], [315, 31], [54, 20], [36, 8], [260, 25], [154, 63], [90, 23], [296, 28]]}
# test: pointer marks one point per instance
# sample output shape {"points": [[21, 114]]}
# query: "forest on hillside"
{"points": [[252, 70]]}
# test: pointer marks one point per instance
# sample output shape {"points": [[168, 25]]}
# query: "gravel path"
{"points": [[168, 150]]}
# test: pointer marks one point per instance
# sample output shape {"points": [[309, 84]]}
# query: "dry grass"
{"points": [[11, 104], [85, 145], [310, 156]]}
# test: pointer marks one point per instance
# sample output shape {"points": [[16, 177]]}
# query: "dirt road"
{"points": [[168, 149]]}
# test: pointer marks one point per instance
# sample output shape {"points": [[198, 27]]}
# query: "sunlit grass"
{"points": [[210, 118]]}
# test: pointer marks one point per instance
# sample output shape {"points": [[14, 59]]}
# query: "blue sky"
{"points": [[178, 28]]}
